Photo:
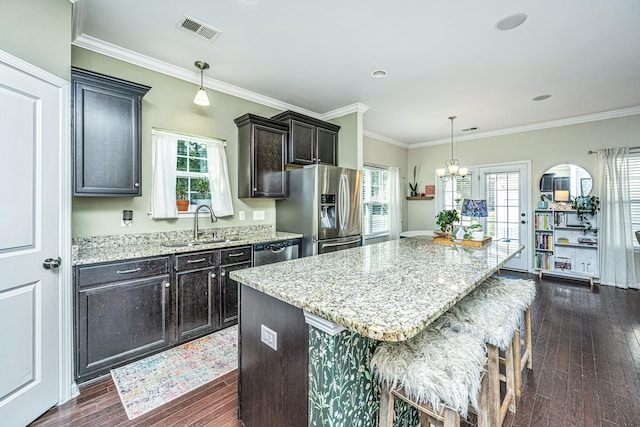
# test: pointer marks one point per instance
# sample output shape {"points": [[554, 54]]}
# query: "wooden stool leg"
{"points": [[451, 418], [489, 413], [517, 363], [527, 337], [386, 407], [510, 374]]}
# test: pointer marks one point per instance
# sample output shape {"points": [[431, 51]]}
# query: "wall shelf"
{"points": [[420, 198]]}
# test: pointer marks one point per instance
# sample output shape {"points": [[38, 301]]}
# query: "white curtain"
{"points": [[395, 203], [617, 263], [164, 152], [221, 201]]}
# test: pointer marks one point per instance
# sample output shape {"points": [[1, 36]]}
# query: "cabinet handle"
{"points": [[213, 275], [223, 273], [255, 189], [235, 255], [167, 284], [194, 261], [137, 184], [319, 159], [134, 270]]}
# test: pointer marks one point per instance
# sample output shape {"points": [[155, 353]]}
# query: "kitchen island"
{"points": [[325, 315]]}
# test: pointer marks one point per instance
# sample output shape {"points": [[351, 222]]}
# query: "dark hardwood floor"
{"points": [[586, 360]]}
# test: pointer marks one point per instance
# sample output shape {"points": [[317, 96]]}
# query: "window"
{"points": [[195, 166], [375, 201], [451, 193], [192, 171], [634, 192]]}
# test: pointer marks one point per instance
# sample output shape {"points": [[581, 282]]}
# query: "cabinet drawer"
{"points": [[121, 271], [197, 260], [235, 255]]}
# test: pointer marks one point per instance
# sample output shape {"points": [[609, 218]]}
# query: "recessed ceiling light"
{"points": [[511, 21], [379, 74], [541, 97]]}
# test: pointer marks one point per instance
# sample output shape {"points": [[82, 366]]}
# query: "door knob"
{"points": [[523, 222], [51, 263]]}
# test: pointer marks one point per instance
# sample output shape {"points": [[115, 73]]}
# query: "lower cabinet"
{"points": [[131, 309], [197, 294], [122, 313]]}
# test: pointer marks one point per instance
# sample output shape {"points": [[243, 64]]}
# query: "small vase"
{"points": [[183, 205], [542, 204]]}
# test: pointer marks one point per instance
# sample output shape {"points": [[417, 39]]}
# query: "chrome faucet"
{"points": [[195, 219]]}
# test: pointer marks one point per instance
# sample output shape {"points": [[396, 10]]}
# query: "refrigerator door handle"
{"points": [[341, 204], [347, 202], [349, 242]]}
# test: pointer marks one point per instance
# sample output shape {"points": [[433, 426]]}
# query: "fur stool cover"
{"points": [[436, 366]]}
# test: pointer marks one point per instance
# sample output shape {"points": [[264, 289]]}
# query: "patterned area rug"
{"points": [[148, 383]]}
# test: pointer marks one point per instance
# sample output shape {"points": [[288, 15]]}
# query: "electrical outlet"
{"points": [[258, 215], [241, 215], [269, 337]]}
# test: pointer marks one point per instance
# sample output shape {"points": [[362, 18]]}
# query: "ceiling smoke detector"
{"points": [[198, 28]]}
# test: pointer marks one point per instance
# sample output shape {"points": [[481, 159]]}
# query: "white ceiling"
{"points": [[442, 58]]}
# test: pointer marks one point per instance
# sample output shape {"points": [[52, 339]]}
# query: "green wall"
{"points": [[38, 32], [544, 148], [168, 105]]}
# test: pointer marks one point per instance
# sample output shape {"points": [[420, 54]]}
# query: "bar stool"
{"points": [[438, 372], [492, 312]]}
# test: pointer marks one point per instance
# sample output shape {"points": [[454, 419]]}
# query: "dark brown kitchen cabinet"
{"points": [[262, 155], [230, 260], [197, 294], [106, 134], [122, 313], [311, 140]]}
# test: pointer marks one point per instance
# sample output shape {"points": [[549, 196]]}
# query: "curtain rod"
{"points": [[630, 148], [183, 134]]}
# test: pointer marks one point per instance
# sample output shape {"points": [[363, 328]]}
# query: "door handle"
{"points": [[51, 263], [329, 245], [523, 222]]}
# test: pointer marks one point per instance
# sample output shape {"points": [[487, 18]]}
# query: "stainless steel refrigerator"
{"points": [[325, 205]]}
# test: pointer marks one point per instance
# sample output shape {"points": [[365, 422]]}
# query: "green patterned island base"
{"points": [[342, 391]]}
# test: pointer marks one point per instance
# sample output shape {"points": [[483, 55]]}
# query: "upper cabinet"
{"points": [[106, 135], [311, 141], [262, 155]]}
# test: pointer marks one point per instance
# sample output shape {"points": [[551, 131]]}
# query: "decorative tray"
{"points": [[464, 242]]}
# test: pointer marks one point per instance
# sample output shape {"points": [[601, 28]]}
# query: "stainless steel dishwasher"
{"points": [[281, 250]]}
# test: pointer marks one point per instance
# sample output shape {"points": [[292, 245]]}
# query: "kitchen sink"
{"points": [[197, 242]]}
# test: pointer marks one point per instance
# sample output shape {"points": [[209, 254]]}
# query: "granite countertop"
{"points": [[387, 291], [91, 250]]}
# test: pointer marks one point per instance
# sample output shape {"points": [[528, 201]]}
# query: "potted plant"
{"points": [[474, 232], [202, 187], [414, 186], [181, 198], [446, 220], [586, 207]]}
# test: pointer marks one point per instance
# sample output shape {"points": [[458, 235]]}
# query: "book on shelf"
{"points": [[562, 263]]}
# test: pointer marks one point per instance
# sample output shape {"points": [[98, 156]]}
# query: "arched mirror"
{"points": [[564, 182]]}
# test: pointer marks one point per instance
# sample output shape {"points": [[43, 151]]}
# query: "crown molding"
{"points": [[385, 139], [135, 58], [358, 107], [536, 126]]}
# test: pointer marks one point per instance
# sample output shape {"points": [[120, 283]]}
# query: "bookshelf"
{"points": [[563, 246]]}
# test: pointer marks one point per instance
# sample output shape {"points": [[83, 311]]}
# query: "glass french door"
{"points": [[507, 191]]}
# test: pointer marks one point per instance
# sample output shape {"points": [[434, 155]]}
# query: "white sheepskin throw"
{"points": [[493, 311], [436, 366]]}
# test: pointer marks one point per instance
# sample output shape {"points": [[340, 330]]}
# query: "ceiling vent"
{"points": [[199, 28]]}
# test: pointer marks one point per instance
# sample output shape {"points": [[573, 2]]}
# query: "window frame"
{"points": [[375, 203], [189, 175], [634, 203]]}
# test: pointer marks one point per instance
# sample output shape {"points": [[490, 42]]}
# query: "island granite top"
{"points": [[387, 291]]}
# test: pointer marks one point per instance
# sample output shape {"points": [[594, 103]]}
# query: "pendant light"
{"points": [[453, 169], [201, 96]]}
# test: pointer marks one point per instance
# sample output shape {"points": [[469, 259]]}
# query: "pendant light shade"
{"points": [[201, 96], [453, 169]]}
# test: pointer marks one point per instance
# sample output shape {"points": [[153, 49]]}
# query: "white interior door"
{"points": [[30, 135], [507, 191]]}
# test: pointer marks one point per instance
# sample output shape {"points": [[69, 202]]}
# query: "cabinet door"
{"points": [[119, 322], [269, 157], [197, 303], [302, 143], [327, 146], [229, 298], [106, 135]]}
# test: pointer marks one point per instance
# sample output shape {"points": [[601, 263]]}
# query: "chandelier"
{"points": [[453, 169]]}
